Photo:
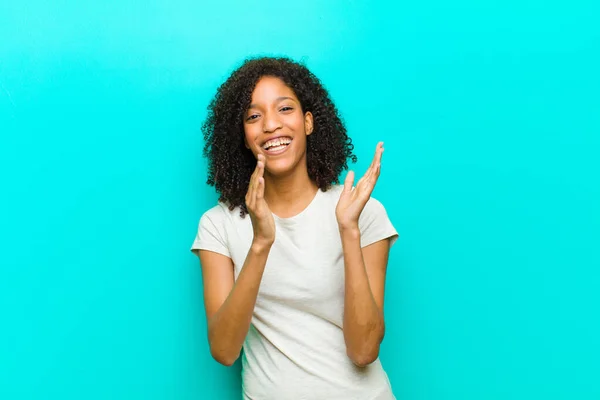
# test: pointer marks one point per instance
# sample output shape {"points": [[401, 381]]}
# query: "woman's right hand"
{"points": [[263, 223]]}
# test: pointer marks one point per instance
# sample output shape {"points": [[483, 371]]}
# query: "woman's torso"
{"points": [[295, 347]]}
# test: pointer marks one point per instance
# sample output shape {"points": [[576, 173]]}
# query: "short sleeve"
{"points": [[211, 233], [375, 225]]}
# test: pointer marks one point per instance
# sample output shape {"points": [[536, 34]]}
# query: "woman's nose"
{"points": [[271, 122]]}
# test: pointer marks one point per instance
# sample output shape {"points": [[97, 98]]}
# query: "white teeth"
{"points": [[277, 142]]}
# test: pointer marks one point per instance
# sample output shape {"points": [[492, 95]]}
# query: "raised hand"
{"points": [[352, 201], [263, 223]]}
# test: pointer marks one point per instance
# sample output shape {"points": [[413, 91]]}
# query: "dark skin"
{"points": [[280, 184], [231, 163]]}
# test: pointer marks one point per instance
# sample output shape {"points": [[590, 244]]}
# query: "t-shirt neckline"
{"points": [[294, 218]]}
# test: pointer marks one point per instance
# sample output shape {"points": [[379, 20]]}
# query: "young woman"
{"points": [[293, 264]]}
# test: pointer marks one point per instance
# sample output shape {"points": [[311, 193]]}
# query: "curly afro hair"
{"points": [[230, 163]]}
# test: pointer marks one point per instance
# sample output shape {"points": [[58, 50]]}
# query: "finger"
{"points": [[368, 173], [250, 184], [259, 174], [378, 165], [365, 190], [374, 162], [376, 156], [250, 196], [378, 153], [361, 180], [260, 189], [371, 180], [376, 168], [249, 192], [253, 176], [261, 165], [260, 168], [349, 181], [375, 175]]}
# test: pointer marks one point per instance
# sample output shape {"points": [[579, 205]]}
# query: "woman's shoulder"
{"points": [[217, 211], [221, 213]]}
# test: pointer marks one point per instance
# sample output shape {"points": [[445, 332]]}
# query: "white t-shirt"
{"points": [[295, 346]]}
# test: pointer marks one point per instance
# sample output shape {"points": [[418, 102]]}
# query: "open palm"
{"points": [[353, 200]]}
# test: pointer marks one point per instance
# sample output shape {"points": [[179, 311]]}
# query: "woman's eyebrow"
{"points": [[277, 100]]}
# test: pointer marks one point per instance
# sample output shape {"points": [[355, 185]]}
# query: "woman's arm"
{"points": [[229, 306], [365, 270], [364, 325], [229, 303]]}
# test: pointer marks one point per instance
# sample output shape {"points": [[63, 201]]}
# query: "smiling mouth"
{"points": [[277, 145]]}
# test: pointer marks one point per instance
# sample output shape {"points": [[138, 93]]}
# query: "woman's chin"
{"points": [[279, 172], [280, 167]]}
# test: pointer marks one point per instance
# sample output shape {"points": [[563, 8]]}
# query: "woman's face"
{"points": [[274, 125]]}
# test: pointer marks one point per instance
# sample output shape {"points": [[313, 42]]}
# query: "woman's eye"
{"points": [[286, 108], [251, 117]]}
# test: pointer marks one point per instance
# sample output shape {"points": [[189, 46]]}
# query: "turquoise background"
{"points": [[490, 112]]}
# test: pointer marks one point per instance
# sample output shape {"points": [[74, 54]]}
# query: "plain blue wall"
{"points": [[490, 113]]}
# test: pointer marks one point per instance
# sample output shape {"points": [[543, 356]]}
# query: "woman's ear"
{"points": [[308, 123]]}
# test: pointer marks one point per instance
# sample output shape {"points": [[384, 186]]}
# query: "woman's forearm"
{"points": [[363, 320], [228, 327]]}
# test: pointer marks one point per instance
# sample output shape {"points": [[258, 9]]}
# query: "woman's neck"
{"points": [[291, 194]]}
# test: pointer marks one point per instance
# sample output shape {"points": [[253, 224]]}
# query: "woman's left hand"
{"points": [[352, 201]]}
